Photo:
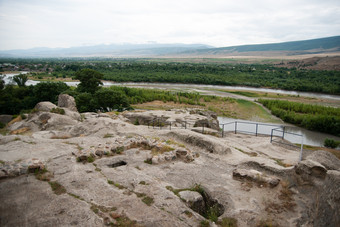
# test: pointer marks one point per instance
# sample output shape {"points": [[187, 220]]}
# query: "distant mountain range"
{"points": [[305, 47]]}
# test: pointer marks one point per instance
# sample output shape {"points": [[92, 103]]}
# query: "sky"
{"points": [[67, 23]]}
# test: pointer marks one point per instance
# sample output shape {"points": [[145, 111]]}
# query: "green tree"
{"points": [[20, 79], [2, 82], [49, 91], [85, 102], [108, 99], [89, 80]]}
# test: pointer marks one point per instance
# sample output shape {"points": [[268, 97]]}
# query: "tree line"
{"points": [[312, 117], [89, 95], [253, 75]]}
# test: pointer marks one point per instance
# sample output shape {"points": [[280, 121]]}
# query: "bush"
{"points": [[331, 143], [58, 111]]}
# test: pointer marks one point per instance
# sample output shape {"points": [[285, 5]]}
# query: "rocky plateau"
{"points": [[157, 168]]}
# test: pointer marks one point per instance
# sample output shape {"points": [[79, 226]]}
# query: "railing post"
{"points": [[235, 127], [256, 128], [271, 136], [300, 158], [223, 131]]}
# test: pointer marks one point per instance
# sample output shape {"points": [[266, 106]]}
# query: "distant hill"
{"points": [[114, 50], [313, 46], [305, 47]]}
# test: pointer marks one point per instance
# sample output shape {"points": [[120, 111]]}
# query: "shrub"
{"points": [[58, 111], [148, 200], [331, 143]]}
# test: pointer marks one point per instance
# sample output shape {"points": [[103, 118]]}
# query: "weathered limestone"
{"points": [[17, 168], [211, 144], [309, 169], [177, 118], [45, 106], [327, 159], [67, 101], [328, 202], [194, 200], [124, 172], [256, 176]]}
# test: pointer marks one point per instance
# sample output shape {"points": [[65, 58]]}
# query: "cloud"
{"points": [[65, 23]]}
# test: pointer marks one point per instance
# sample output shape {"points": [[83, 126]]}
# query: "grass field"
{"points": [[232, 108]]}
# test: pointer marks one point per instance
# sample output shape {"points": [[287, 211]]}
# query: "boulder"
{"points": [[45, 106], [308, 169], [325, 158], [208, 123], [67, 101]]}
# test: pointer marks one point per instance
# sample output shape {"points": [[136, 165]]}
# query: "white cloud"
{"points": [[65, 23]]}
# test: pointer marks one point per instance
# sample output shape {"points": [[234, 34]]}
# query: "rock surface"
{"points": [[256, 176], [67, 101], [112, 171], [177, 118]]}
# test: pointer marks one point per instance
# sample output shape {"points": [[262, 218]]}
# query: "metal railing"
{"points": [[281, 133], [246, 127], [274, 131], [159, 123]]}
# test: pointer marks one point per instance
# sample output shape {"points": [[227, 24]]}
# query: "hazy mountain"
{"points": [[115, 50], [314, 46]]}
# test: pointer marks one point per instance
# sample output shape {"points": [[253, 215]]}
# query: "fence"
{"points": [[277, 133], [248, 128], [159, 123]]}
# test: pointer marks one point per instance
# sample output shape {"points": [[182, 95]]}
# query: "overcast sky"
{"points": [[66, 23]]}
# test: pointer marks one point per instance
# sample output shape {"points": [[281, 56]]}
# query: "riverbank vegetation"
{"points": [[21, 99], [312, 117], [144, 70]]}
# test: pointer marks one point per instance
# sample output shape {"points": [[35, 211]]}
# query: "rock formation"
{"points": [[61, 168]]}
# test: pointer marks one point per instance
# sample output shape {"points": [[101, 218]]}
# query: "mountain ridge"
{"points": [[291, 48]]}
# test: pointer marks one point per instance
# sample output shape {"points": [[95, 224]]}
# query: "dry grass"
{"points": [[286, 201], [63, 137], [20, 131], [281, 163], [17, 119], [227, 107], [57, 188], [251, 154], [267, 223]]}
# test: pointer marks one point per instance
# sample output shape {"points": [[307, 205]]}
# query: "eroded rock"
{"points": [[210, 144], [326, 159], [256, 176], [45, 106], [67, 101], [308, 169], [194, 200]]}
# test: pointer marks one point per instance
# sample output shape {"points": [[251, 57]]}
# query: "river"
{"points": [[309, 137]]}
